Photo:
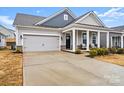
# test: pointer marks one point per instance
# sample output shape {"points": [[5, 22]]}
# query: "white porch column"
{"points": [[98, 39], [77, 38], [122, 41], [73, 36], [107, 45], [87, 40]]}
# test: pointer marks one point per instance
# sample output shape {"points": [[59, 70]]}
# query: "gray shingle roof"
{"points": [[118, 28], [27, 20], [30, 20]]}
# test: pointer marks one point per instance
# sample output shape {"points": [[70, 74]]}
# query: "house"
{"points": [[64, 31], [9, 37]]}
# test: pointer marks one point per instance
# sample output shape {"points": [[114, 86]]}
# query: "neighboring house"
{"points": [[2, 40], [9, 37], [120, 28], [64, 31]]}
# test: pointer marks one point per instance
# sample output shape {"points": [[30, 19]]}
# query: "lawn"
{"points": [[115, 59], [10, 68]]}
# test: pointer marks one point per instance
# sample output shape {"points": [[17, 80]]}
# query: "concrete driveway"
{"points": [[62, 68]]}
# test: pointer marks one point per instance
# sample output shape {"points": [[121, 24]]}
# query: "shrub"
{"points": [[113, 50], [120, 51], [78, 51], [93, 53], [106, 51], [100, 51]]}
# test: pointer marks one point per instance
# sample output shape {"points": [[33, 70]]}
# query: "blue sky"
{"points": [[110, 16]]}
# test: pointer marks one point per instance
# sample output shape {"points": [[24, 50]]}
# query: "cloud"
{"points": [[113, 13], [37, 11], [6, 21], [108, 20]]}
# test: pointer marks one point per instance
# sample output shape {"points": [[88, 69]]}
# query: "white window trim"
{"points": [[82, 37], [117, 41], [92, 37], [65, 17]]}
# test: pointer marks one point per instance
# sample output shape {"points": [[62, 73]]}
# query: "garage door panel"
{"points": [[41, 43]]}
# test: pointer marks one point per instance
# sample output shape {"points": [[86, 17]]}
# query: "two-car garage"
{"points": [[37, 43]]}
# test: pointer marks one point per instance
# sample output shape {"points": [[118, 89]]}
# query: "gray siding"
{"points": [[103, 39], [58, 21]]}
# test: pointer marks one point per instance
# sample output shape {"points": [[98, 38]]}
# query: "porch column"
{"points": [[87, 40], [107, 45], [73, 36], [98, 39], [77, 38], [122, 41]]}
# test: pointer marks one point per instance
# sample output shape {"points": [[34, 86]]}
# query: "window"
{"points": [[84, 36], [65, 17], [94, 38], [116, 41]]}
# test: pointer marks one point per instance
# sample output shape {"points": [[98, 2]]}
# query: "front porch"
{"points": [[85, 39]]}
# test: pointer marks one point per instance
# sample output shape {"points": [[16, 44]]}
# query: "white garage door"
{"points": [[40, 43]]}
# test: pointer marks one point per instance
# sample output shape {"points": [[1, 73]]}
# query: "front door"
{"points": [[68, 41]]}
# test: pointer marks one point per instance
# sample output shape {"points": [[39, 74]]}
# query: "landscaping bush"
{"points": [[113, 50], [102, 51], [98, 52], [120, 51], [78, 51], [93, 53], [106, 51]]}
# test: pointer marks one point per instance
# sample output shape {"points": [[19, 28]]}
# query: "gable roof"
{"points": [[86, 15], [26, 19], [2, 34], [31, 20], [5, 30], [57, 13], [118, 28], [2, 27]]}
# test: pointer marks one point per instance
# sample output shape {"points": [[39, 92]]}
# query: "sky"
{"points": [[111, 16]]}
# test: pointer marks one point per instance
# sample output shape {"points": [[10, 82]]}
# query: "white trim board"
{"points": [[40, 34]]}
